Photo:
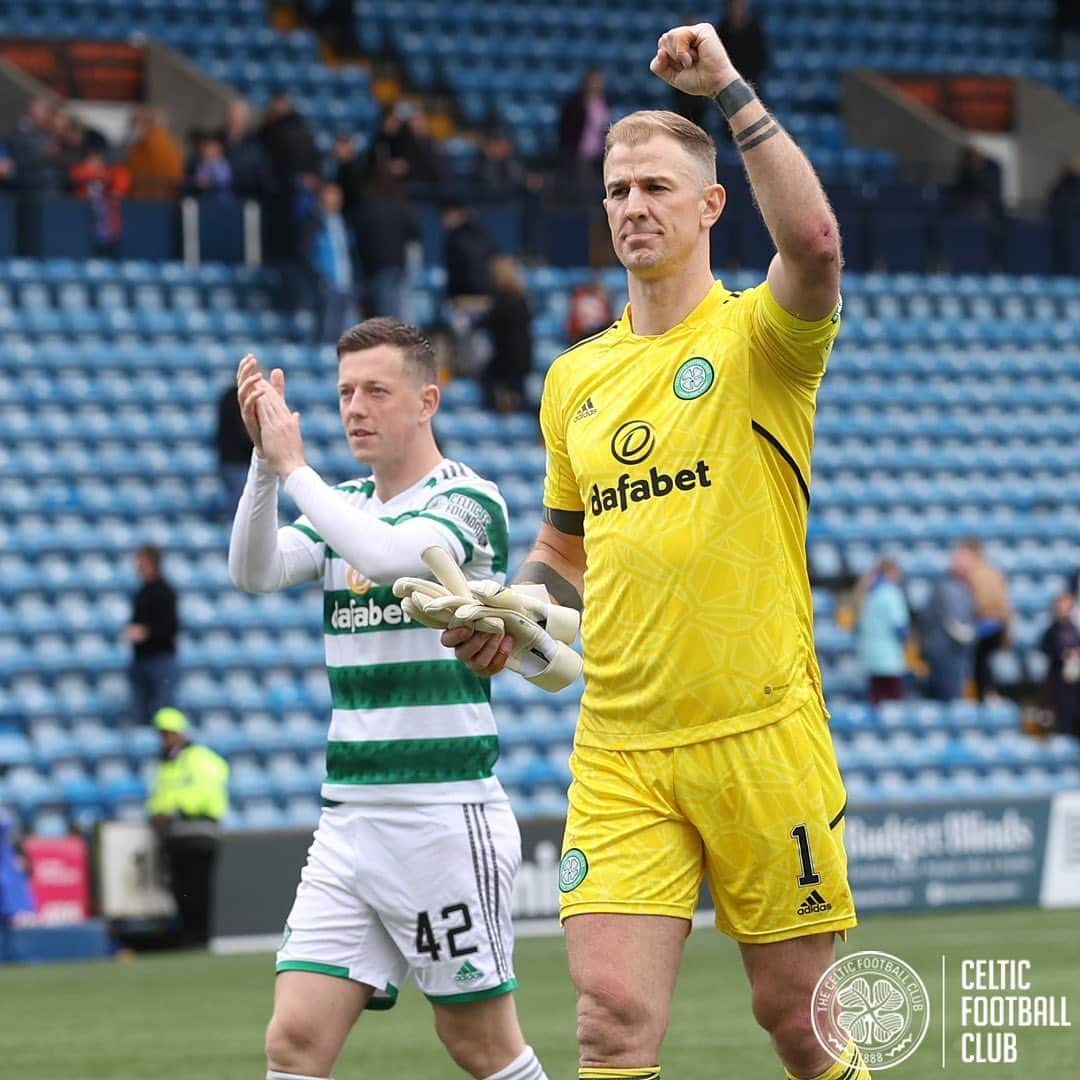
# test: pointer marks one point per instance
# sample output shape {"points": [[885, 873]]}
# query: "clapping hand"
{"points": [[279, 428]]}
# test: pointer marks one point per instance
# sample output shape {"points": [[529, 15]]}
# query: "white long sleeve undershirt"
{"points": [[264, 558]]}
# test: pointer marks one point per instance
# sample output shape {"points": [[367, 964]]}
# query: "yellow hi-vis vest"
{"points": [[193, 784]]}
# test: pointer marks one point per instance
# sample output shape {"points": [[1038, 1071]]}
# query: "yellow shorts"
{"points": [[758, 814]]}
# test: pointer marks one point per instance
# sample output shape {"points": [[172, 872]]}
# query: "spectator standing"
{"points": [[402, 146], [154, 157], [103, 186], [189, 798], [500, 172], [881, 633], [993, 614], [1061, 644], [349, 172], [509, 322], [744, 38], [387, 244], [244, 152], [288, 141], [331, 251], [74, 141], [421, 153], [16, 897], [976, 190], [211, 174], [948, 630], [233, 449], [583, 123], [34, 150], [152, 632], [468, 251], [1065, 194]]}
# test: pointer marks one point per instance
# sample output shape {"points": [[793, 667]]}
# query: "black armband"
{"points": [[733, 97]]}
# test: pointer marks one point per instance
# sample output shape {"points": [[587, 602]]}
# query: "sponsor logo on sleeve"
{"points": [[465, 510]]}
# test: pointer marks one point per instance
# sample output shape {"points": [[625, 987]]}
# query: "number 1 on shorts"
{"points": [[807, 877]]}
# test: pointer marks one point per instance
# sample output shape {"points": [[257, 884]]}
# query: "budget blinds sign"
{"points": [[911, 857]]}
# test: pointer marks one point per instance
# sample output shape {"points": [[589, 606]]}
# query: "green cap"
{"points": [[170, 720]]}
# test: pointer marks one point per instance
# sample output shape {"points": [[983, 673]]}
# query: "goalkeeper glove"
{"points": [[530, 600], [434, 605], [536, 655]]}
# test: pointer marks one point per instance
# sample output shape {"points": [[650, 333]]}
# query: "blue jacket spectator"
{"points": [[35, 152], [15, 895], [331, 252], [881, 633], [211, 174], [948, 632], [251, 177]]}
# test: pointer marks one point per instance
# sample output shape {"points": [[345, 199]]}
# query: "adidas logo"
{"points": [[587, 409], [468, 973], [814, 903]]}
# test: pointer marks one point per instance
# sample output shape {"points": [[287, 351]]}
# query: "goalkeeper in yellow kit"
{"points": [[675, 508]]}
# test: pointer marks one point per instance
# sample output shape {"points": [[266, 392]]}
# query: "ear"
{"points": [[430, 397], [713, 201]]}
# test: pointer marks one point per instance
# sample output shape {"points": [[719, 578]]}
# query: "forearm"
{"points": [[258, 561], [381, 551], [565, 582], [785, 186]]}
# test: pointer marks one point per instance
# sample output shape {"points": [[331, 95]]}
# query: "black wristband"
{"points": [[733, 97]]}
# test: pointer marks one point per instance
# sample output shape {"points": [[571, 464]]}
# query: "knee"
{"points": [[617, 1022], [787, 1020], [292, 1045], [477, 1051]]}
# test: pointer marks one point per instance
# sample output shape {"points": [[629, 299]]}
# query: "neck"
{"points": [[656, 305], [394, 477]]}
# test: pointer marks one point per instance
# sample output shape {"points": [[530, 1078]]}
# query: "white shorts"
{"points": [[389, 890]]}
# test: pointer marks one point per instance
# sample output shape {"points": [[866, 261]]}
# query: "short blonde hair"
{"points": [[639, 127]]}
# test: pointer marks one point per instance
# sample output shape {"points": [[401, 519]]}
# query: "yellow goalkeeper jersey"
{"points": [[689, 455]]}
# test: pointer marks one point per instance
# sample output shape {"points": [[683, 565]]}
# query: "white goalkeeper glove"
{"points": [[536, 656], [540, 656], [433, 605], [530, 600]]}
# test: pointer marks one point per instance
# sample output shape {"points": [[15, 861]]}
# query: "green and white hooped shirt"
{"points": [[410, 722]]}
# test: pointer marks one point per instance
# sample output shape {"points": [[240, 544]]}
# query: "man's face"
{"points": [[170, 740], [145, 568], [382, 407], [963, 559], [657, 205]]}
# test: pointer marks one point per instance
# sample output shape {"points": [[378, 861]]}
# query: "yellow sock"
{"points": [[651, 1073], [850, 1067]]}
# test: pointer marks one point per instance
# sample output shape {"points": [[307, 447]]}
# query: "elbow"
{"points": [[823, 246], [818, 246], [243, 581]]}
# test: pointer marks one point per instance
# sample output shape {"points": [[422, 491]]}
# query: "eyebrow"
{"points": [[661, 178]]}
